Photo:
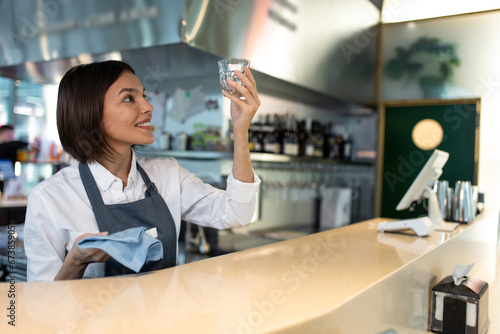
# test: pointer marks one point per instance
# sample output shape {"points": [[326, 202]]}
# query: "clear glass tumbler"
{"points": [[227, 67]]}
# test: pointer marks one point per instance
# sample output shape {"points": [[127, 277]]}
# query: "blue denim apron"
{"points": [[150, 212]]}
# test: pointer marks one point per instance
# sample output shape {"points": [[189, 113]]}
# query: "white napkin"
{"points": [[460, 272]]}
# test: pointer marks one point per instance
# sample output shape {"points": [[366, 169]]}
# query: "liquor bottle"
{"points": [[290, 139], [250, 138], [278, 148], [308, 140], [294, 138], [327, 141], [269, 140], [258, 136], [348, 148], [339, 141], [259, 145], [301, 133], [334, 152], [318, 139], [229, 137], [285, 134]]}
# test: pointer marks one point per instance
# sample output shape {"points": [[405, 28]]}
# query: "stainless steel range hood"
{"points": [[327, 48]]}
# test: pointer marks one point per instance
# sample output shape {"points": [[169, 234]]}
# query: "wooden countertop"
{"points": [[348, 280], [13, 203]]}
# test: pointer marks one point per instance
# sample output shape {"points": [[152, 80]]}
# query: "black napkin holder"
{"points": [[459, 308]]}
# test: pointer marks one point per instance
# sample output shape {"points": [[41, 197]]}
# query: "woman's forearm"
{"points": [[70, 270], [242, 112], [242, 164]]}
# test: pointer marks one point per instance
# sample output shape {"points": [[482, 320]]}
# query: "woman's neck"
{"points": [[119, 166]]}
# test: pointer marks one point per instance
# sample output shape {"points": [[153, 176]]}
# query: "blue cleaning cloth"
{"points": [[132, 247]]}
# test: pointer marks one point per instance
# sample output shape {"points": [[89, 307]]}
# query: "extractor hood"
{"points": [[328, 47]]}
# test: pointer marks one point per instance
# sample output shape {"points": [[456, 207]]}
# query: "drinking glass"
{"points": [[227, 67]]}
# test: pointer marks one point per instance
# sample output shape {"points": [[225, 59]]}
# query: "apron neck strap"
{"points": [[90, 186], [149, 185]]}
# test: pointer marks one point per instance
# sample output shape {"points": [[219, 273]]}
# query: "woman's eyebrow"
{"points": [[131, 90]]}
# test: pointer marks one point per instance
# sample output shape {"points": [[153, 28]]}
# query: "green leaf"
{"points": [[394, 69]]}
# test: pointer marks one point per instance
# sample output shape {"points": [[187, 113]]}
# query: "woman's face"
{"points": [[127, 114]]}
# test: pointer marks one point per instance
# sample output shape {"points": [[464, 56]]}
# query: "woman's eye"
{"points": [[128, 98]]}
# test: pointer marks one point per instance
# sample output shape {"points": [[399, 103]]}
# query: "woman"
{"points": [[102, 113]]}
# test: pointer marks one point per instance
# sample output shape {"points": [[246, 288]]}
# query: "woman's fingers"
{"points": [[249, 85], [90, 255], [243, 109]]}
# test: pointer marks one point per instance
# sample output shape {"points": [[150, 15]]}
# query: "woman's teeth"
{"points": [[144, 124]]}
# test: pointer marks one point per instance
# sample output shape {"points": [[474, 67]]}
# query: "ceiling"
{"points": [[409, 10]]}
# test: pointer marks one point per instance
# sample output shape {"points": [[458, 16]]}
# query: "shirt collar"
{"points": [[104, 178]]}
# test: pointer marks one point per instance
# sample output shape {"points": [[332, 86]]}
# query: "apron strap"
{"points": [[90, 186], [149, 185]]}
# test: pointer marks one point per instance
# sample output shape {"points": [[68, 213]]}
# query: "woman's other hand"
{"points": [[89, 255], [78, 259]]}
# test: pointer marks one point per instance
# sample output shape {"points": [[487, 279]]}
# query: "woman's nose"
{"points": [[147, 107]]}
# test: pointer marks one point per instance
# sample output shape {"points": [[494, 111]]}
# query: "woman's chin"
{"points": [[149, 140]]}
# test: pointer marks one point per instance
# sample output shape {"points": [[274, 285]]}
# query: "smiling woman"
{"points": [[102, 113], [80, 103]]}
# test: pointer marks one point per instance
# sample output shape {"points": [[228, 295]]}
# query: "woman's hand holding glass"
{"points": [[243, 108]]}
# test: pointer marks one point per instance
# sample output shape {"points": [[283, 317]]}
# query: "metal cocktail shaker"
{"points": [[449, 206], [441, 188], [463, 210]]}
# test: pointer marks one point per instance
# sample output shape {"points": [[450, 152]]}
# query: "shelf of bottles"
{"points": [[282, 134]]}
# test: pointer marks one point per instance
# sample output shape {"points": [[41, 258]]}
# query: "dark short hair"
{"points": [[80, 103], [6, 127]]}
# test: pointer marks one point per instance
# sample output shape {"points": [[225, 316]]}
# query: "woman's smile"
{"points": [[145, 125]]}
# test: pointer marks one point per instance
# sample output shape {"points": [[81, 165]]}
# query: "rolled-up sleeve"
{"points": [[242, 192]]}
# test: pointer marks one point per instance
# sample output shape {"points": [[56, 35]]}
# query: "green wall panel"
{"points": [[403, 160]]}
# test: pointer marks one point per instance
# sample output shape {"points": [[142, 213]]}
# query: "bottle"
{"points": [[339, 141], [251, 138], [290, 139], [335, 144], [278, 145], [327, 140], [230, 137], [294, 138], [318, 139], [258, 136], [308, 140], [181, 141], [269, 137], [55, 152], [285, 134], [301, 125], [347, 148]]}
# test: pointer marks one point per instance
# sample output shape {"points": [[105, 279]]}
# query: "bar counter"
{"points": [[348, 280]]}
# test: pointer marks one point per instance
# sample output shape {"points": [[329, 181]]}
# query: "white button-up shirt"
{"points": [[59, 210]]}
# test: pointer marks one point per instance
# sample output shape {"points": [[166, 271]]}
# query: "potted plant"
{"points": [[409, 63]]}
